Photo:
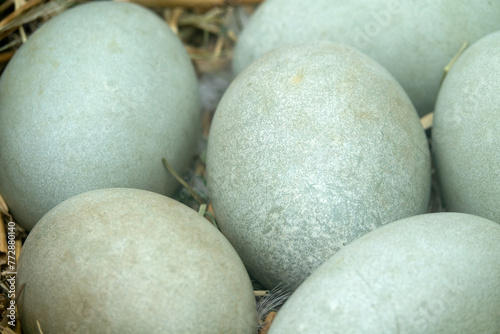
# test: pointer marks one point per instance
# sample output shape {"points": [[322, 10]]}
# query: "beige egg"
{"points": [[131, 261]]}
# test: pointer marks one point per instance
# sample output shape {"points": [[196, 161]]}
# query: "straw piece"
{"points": [[181, 180], [203, 209], [7, 330], [173, 22], [260, 293], [44, 10], [3, 242], [22, 32], [19, 247], [426, 121], [19, 3], [210, 209], [14, 42], [193, 3], [3, 206], [39, 327], [218, 46], [267, 323], [448, 67], [6, 56], [19, 11], [6, 32]]}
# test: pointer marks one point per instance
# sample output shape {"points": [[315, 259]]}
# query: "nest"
{"points": [[209, 30]]}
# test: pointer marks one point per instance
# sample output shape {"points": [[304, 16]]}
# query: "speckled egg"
{"points": [[94, 99], [413, 40], [434, 273], [131, 261], [311, 147], [466, 131]]}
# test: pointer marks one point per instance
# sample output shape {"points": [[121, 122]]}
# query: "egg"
{"points": [[131, 261], [433, 273], [95, 98], [311, 147], [413, 40], [466, 131]]}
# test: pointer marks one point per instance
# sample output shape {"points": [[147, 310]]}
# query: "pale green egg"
{"points": [[413, 40], [311, 147], [433, 273], [466, 131], [94, 99]]}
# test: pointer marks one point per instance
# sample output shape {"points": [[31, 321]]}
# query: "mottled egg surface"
{"points": [[433, 273], [95, 98], [311, 147], [413, 40], [466, 131], [131, 261]]}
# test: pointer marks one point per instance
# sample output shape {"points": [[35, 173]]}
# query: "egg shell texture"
{"points": [[131, 261], [433, 273], [413, 40], [466, 131], [95, 98], [311, 147]]}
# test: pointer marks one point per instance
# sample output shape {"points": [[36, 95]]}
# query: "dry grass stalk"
{"points": [[173, 20], [19, 246], [7, 330], [193, 3], [267, 323], [260, 293], [448, 67], [172, 171], [31, 13], [3, 242], [6, 56], [18, 4], [210, 209], [43, 11], [426, 121], [4, 209], [19, 11]]}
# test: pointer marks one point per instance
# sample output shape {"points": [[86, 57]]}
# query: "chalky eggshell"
{"points": [[311, 147], [433, 273], [94, 99], [131, 261], [413, 40], [466, 131]]}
